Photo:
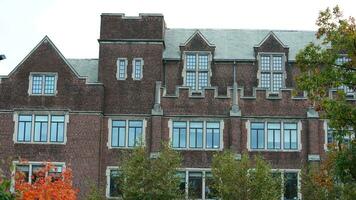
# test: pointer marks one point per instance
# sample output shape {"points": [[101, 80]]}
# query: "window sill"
{"points": [[42, 143], [275, 150], [196, 149]]}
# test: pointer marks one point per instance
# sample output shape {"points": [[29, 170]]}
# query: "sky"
{"points": [[74, 25]]}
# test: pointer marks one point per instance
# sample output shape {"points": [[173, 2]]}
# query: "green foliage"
{"points": [[320, 72], [142, 177], [5, 193], [95, 193], [233, 179]]}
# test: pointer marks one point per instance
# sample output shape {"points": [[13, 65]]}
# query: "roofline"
{"points": [[193, 35], [275, 36], [140, 15], [46, 39]]}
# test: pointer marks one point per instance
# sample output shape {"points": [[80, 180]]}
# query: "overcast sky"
{"points": [[73, 25]]}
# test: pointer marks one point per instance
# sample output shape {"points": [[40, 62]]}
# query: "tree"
{"points": [[234, 180], [46, 185], [321, 72], [142, 177], [5, 193]]}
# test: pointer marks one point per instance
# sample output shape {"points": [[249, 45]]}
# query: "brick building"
{"points": [[203, 90]]}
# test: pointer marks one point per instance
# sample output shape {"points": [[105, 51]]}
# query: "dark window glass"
{"points": [[210, 193], [195, 185], [138, 69], [115, 190], [122, 68], [181, 176], [38, 173], [290, 186], [23, 171], [37, 84], [49, 84]]}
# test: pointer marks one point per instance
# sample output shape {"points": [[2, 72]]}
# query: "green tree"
{"points": [[234, 180], [142, 177], [320, 71]]}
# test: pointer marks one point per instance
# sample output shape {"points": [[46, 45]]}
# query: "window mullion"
{"points": [[196, 72]]}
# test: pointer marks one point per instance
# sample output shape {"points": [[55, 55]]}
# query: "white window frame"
{"points": [[271, 71], [30, 163], [126, 119], [43, 74], [326, 126], [187, 170], [184, 71], [42, 113], [133, 68], [107, 173], [118, 68], [266, 121], [344, 88], [170, 127]]}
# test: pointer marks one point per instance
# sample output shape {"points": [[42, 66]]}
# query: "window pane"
{"points": [[209, 138], [257, 135], [203, 80], [135, 132], [216, 138], [266, 80], [294, 139], [37, 84], [49, 84], [138, 69], [203, 61], [115, 190], [181, 176], [175, 138], [23, 171], [277, 82], [41, 128], [57, 128], [274, 136], [183, 138], [291, 186], [190, 81], [265, 63], [195, 185], [115, 137], [274, 126], [122, 69], [261, 139], [191, 61], [25, 128], [212, 125], [196, 135], [179, 134], [290, 136], [277, 63], [210, 193], [213, 135]]}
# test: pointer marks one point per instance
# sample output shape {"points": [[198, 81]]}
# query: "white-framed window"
{"points": [[196, 134], [329, 135], [113, 190], [342, 59], [291, 183], [126, 133], [274, 135], [32, 170], [137, 68], [197, 70], [196, 183], [41, 127], [43, 84], [121, 71], [271, 71]]}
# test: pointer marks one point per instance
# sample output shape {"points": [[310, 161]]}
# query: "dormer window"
{"points": [[197, 67], [271, 72], [44, 84]]}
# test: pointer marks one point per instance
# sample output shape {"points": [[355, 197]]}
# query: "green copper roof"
{"points": [[86, 68]]}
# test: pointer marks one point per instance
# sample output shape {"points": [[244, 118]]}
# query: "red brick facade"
{"points": [[91, 106]]}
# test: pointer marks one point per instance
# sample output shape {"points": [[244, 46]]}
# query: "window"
{"points": [[341, 60], [113, 183], [125, 133], [329, 135], [31, 171], [43, 84], [271, 72], [196, 135], [121, 68], [290, 183], [197, 184], [274, 136], [137, 68], [197, 70], [40, 128]]}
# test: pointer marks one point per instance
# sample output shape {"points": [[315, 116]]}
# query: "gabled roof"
{"points": [[82, 68], [236, 44], [197, 32], [274, 36]]}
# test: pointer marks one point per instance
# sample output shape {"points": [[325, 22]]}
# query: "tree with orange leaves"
{"points": [[47, 185]]}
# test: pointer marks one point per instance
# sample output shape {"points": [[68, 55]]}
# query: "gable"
{"points": [[197, 42], [271, 43]]}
